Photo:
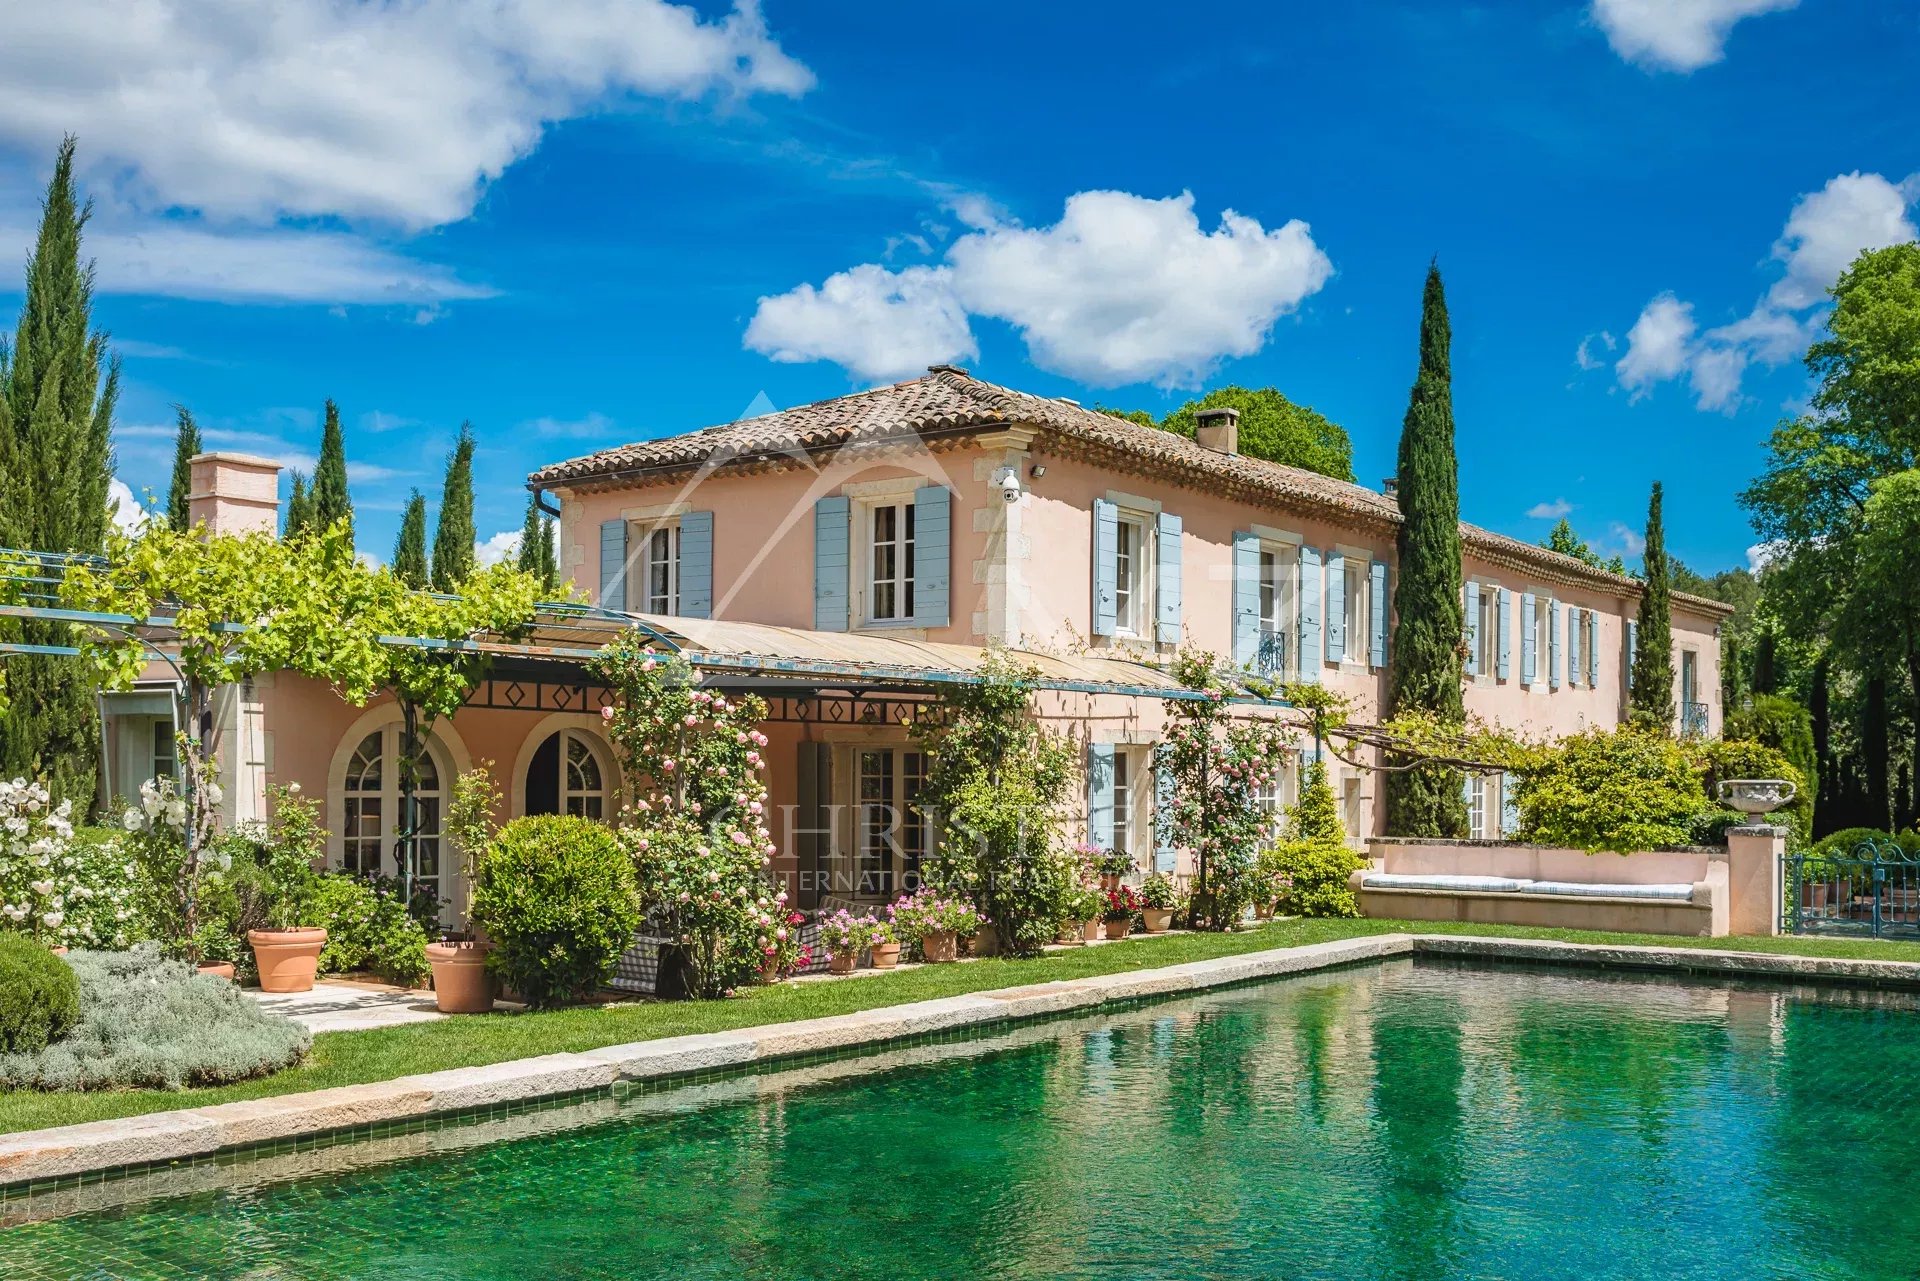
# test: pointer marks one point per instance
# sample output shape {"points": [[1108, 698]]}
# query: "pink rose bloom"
{"points": [[667, 765], [606, 713]]}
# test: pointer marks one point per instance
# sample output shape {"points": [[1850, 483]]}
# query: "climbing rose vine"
{"points": [[695, 820]]}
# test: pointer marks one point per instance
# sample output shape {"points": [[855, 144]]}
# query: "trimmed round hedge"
{"points": [[39, 996], [557, 898]]}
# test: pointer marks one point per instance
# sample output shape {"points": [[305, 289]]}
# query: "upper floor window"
{"points": [[1486, 630], [1485, 806], [1359, 607], [1132, 550], [1544, 647], [890, 561], [660, 570], [1279, 605]]}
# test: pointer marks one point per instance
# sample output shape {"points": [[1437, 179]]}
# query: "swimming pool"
{"points": [[1407, 1119]]}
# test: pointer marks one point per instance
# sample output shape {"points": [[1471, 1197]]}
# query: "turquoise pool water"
{"points": [[1407, 1120]]}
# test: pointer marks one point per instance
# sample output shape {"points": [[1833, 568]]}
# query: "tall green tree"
{"points": [[536, 548], [410, 549], [1271, 427], [453, 535], [186, 444], [1562, 539], [59, 385], [1427, 670], [299, 516], [1651, 700], [331, 502]]}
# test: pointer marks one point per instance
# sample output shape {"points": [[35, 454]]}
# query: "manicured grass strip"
{"points": [[352, 1058]]}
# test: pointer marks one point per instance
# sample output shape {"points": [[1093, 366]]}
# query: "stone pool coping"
{"points": [[96, 1148]]}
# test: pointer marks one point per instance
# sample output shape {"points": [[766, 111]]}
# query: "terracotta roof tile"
{"points": [[948, 401]]}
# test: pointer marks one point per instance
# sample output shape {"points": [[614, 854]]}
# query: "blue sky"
{"points": [[584, 222]]}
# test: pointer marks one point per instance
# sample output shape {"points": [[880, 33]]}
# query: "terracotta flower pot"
{"points": [[1263, 911], [1156, 920], [842, 962], [217, 969], [1813, 896], [287, 959], [1069, 935], [886, 955], [461, 984], [1090, 931], [940, 946], [1121, 928]]}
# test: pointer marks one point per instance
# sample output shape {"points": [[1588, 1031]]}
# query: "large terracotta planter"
{"points": [[461, 984], [940, 946], [1069, 935], [1121, 928], [1156, 920], [1090, 931], [885, 955], [842, 962], [217, 969], [1813, 896], [287, 959], [985, 943]]}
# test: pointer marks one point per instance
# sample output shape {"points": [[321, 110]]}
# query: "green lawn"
{"points": [[350, 1058]]}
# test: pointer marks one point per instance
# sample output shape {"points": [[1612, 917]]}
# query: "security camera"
{"points": [[1009, 482]]}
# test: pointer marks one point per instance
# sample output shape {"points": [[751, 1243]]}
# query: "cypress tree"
{"points": [[1651, 702], [59, 384], [1818, 707], [1427, 670], [299, 518], [536, 555], [453, 535], [1766, 679], [410, 551], [1876, 751], [186, 443], [331, 501]]}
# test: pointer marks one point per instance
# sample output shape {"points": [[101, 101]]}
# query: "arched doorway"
{"points": [[368, 812], [568, 774]]}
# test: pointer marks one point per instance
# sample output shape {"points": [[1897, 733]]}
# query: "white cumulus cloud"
{"points": [[503, 546], [878, 325], [1122, 289], [127, 513], [400, 111], [1675, 35], [1824, 232], [1555, 510]]}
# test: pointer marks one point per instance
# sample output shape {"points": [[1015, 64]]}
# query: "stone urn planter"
{"points": [[216, 969], [1090, 930], [940, 946], [1119, 927], [1756, 796], [287, 959], [461, 984], [1156, 920], [885, 955], [842, 962]]}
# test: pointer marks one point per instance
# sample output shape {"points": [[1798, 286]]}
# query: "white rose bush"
{"points": [[63, 892]]}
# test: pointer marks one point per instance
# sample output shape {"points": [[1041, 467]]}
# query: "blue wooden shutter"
{"points": [[1553, 644], [1377, 588], [1633, 647], [1473, 628], [831, 536], [1166, 600], [1165, 855], [1573, 645], [1100, 794], [1504, 644], [1529, 639], [1592, 648], [1336, 610], [1310, 615], [696, 565], [1246, 598], [1106, 569], [932, 551], [613, 565]]}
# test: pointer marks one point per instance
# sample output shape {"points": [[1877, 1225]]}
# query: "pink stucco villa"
{"points": [[893, 534]]}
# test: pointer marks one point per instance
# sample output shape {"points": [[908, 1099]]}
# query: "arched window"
{"points": [[371, 818], [566, 776]]}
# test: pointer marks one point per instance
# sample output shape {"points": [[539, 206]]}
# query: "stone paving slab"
{"points": [[166, 1136]]}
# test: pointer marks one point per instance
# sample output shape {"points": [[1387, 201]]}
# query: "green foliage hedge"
{"points": [[39, 995], [150, 1023], [1846, 842], [557, 898], [368, 928], [1618, 790]]}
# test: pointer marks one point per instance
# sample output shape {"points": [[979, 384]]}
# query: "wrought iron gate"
{"points": [[1872, 889]]}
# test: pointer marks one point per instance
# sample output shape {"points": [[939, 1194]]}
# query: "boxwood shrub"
{"points": [[39, 995], [1618, 790], [150, 1023], [557, 898]]}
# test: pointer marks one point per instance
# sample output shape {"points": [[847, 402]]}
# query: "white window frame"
{"points": [[579, 801], [895, 835], [1281, 793], [1279, 601], [648, 559], [1486, 632], [353, 848], [1135, 572], [866, 588], [1356, 563], [1484, 807], [1543, 682], [1353, 805]]}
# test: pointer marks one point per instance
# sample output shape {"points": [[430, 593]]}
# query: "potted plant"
{"points": [[286, 952], [1157, 897], [845, 936], [778, 937], [462, 983], [883, 946], [1122, 902], [936, 921], [1113, 865]]}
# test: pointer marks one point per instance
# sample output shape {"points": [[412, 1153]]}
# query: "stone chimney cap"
{"points": [[234, 460], [1218, 429], [947, 369]]}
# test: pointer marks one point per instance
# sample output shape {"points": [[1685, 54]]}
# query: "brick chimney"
{"points": [[234, 493], [1218, 430]]}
